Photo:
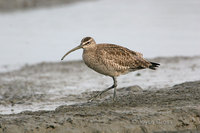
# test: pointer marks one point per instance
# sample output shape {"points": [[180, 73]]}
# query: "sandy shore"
{"points": [[137, 109]]}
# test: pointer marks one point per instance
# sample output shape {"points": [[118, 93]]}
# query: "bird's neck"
{"points": [[89, 55]]}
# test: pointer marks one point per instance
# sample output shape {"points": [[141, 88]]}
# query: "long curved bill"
{"points": [[76, 48]]}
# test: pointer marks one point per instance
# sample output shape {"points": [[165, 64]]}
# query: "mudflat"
{"points": [[165, 109]]}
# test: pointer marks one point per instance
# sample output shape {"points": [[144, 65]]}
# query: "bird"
{"points": [[111, 60]]}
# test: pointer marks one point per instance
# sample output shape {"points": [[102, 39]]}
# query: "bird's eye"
{"points": [[87, 43]]}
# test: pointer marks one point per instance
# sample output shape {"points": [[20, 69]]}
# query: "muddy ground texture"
{"points": [[135, 110], [13, 5]]}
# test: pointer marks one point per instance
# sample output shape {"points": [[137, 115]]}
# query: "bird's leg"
{"points": [[115, 86], [100, 93]]}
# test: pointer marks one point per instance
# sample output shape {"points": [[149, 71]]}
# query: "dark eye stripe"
{"points": [[87, 43]]}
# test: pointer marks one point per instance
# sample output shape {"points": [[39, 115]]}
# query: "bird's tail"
{"points": [[154, 65]]}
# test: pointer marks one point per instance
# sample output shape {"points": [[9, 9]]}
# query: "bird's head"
{"points": [[86, 43]]}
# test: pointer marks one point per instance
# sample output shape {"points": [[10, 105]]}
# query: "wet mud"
{"points": [[135, 110], [174, 109]]}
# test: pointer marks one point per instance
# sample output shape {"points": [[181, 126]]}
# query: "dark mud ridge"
{"points": [[12, 5], [170, 110]]}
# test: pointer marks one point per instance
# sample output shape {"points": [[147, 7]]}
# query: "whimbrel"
{"points": [[111, 60]]}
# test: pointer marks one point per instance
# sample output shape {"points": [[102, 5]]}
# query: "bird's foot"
{"points": [[114, 99], [94, 97], [100, 93]]}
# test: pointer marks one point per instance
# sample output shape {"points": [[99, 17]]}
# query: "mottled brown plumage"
{"points": [[111, 60]]}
